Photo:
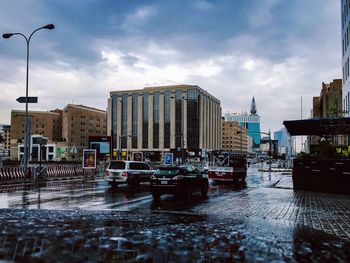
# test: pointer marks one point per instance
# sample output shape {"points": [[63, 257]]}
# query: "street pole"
{"points": [[26, 123], [120, 147], [270, 151]]}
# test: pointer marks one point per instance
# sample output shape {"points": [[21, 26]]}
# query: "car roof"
{"points": [[116, 161], [169, 167]]}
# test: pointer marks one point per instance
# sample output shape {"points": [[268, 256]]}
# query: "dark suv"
{"points": [[181, 181]]}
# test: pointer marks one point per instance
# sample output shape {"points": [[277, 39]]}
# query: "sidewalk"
{"points": [[328, 213]]}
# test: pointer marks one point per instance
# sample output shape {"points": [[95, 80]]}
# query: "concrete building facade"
{"points": [[78, 123], [329, 103], [67, 129], [345, 25], [234, 137], [45, 123], [183, 119]]}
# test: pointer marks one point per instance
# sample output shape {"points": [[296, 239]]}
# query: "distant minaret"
{"points": [[253, 110]]}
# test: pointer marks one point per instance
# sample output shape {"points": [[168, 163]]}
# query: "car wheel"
{"points": [[156, 196]]}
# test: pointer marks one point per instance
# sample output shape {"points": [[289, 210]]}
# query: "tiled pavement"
{"points": [[329, 213]]}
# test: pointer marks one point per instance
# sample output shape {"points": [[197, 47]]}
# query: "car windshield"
{"points": [[167, 172], [117, 165]]}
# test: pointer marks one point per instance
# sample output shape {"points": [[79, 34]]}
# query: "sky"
{"points": [[278, 51]]}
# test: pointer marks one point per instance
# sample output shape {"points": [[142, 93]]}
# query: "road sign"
{"points": [[30, 99], [168, 158]]}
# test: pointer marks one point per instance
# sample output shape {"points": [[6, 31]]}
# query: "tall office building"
{"points": [[155, 120], [249, 121], [345, 23]]}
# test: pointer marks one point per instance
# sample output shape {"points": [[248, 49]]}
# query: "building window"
{"points": [[156, 120], [178, 119], [193, 119], [134, 120], [114, 120], [145, 121], [167, 119], [124, 127]]}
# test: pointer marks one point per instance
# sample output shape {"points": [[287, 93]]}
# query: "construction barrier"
{"points": [[12, 174], [50, 171]]}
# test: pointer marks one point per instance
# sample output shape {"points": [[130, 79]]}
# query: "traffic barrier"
{"points": [[78, 170], [2, 176]]}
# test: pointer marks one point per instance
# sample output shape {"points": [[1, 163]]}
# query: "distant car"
{"points": [[181, 181], [130, 172]]}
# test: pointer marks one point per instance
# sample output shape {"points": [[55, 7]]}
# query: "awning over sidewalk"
{"points": [[324, 126]]}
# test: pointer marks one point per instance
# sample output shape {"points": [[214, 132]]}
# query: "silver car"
{"points": [[130, 172]]}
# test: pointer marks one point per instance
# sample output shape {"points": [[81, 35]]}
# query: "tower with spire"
{"points": [[250, 121], [253, 110]]}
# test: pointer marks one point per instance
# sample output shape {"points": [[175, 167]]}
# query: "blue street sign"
{"points": [[168, 158]]}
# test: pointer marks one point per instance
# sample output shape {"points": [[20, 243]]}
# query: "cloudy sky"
{"points": [[274, 50]]}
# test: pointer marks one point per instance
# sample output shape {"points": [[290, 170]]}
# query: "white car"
{"points": [[130, 172]]}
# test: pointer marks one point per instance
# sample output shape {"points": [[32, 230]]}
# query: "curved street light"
{"points": [[26, 140]]}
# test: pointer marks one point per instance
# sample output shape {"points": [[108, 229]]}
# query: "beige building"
{"points": [[5, 132], [78, 123], [234, 137], [69, 127], [182, 119], [45, 123], [328, 105]]}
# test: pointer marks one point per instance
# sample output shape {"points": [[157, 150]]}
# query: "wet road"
{"points": [[96, 194], [88, 221]]}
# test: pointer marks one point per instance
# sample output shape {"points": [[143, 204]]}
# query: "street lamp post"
{"points": [[26, 135]]}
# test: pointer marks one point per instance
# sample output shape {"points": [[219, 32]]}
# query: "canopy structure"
{"points": [[321, 127]]}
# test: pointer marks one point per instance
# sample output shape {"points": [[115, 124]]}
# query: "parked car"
{"points": [[181, 181], [130, 172]]}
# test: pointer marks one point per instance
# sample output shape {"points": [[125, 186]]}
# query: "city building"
{"points": [[345, 25], [182, 119], [67, 131], [234, 137], [5, 141], [78, 124], [269, 147], [250, 122], [329, 103], [45, 123], [285, 142]]}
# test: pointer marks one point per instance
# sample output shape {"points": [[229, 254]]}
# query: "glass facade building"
{"points": [[180, 119]]}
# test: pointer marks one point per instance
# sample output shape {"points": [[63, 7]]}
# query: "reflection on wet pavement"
{"points": [[38, 235], [87, 220]]}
